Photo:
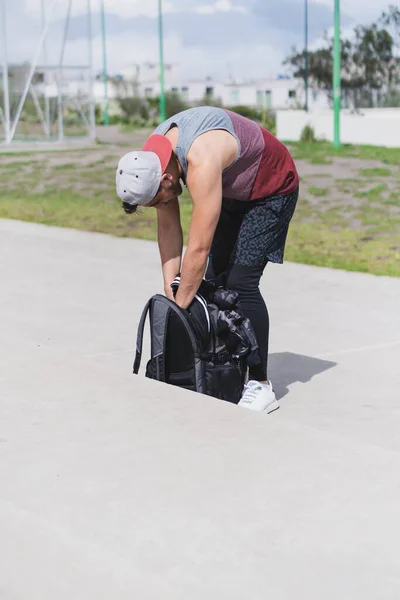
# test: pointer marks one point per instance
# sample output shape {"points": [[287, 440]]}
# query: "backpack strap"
{"points": [[139, 339]]}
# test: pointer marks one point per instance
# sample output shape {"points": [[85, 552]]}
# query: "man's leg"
{"points": [[245, 280], [261, 238]]}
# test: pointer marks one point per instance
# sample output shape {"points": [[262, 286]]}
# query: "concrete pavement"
{"points": [[113, 486]]}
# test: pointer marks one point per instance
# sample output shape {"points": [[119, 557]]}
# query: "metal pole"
{"points": [[306, 53], [103, 35], [336, 77], [82, 113], [46, 98], [39, 110], [163, 114], [6, 91], [31, 73], [60, 75], [92, 115]]}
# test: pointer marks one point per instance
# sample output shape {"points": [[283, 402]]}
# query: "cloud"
{"points": [[136, 8], [206, 37], [360, 10], [220, 6], [123, 8]]}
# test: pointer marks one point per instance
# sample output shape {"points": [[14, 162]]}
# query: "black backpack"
{"points": [[188, 351]]}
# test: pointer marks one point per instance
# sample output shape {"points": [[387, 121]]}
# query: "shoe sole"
{"points": [[272, 407]]}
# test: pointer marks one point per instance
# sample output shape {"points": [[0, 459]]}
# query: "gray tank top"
{"points": [[263, 166], [194, 122]]}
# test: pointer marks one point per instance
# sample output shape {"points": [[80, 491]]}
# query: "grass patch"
{"points": [[37, 153], [70, 166], [374, 194], [375, 172], [393, 200], [325, 233], [345, 188], [325, 150], [320, 175], [317, 191], [319, 160], [17, 164], [352, 250], [66, 209]]}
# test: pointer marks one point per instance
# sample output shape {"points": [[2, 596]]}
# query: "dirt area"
{"points": [[344, 191], [344, 186]]}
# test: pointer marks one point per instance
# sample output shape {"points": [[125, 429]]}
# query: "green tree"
{"points": [[369, 69], [391, 19]]}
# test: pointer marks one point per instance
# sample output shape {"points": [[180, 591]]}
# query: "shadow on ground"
{"points": [[286, 368]]}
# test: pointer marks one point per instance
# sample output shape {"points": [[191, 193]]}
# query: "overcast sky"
{"points": [[246, 38]]}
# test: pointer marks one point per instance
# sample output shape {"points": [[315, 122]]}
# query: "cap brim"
{"points": [[161, 146]]}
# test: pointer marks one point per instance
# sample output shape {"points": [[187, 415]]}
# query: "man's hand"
{"points": [[168, 292]]}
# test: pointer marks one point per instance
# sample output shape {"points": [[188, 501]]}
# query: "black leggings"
{"points": [[245, 281], [247, 237]]}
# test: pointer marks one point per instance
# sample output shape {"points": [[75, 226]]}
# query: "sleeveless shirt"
{"points": [[263, 166]]}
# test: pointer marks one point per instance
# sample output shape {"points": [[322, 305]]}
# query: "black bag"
{"points": [[187, 351]]}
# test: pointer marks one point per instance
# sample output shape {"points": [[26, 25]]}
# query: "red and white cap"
{"points": [[139, 173]]}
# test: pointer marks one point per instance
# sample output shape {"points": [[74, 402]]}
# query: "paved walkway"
{"points": [[116, 487]]}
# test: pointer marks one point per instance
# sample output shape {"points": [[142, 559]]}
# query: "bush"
{"points": [[209, 100], [153, 122], [134, 106], [265, 117], [72, 119], [268, 121], [174, 104], [117, 119], [308, 135], [255, 114], [139, 123]]}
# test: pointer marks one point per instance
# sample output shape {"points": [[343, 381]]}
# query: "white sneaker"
{"points": [[259, 396]]}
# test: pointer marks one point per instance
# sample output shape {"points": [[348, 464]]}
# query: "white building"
{"points": [[278, 93], [147, 76], [281, 93]]}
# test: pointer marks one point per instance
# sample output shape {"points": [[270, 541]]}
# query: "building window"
{"points": [[209, 92], [264, 98], [185, 93], [292, 93], [174, 90], [148, 92], [38, 78], [235, 96]]}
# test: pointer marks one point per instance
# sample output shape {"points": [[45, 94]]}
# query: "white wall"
{"points": [[279, 94], [375, 126]]}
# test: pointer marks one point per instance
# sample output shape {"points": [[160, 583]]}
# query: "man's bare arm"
{"points": [[170, 243], [205, 186]]}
